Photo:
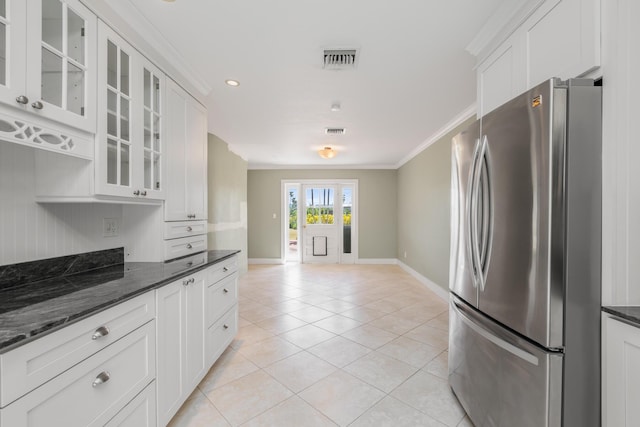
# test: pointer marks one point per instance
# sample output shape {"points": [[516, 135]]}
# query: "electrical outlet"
{"points": [[110, 227]]}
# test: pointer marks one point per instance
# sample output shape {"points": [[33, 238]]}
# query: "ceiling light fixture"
{"points": [[233, 83], [335, 106], [327, 153]]}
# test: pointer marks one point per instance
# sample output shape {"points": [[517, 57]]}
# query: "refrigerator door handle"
{"points": [[481, 148], [518, 352], [469, 218]]}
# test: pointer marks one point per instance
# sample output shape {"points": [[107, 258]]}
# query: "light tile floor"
{"points": [[327, 345]]}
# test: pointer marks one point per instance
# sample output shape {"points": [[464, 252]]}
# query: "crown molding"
{"points": [[262, 166], [130, 14], [451, 125], [502, 23]]}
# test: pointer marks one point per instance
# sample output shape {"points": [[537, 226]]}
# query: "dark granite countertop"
{"points": [[31, 310], [629, 313]]}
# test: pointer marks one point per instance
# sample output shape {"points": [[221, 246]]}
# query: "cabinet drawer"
{"points": [[140, 412], [222, 269], [220, 335], [220, 297], [174, 230], [33, 364], [77, 397], [183, 246]]}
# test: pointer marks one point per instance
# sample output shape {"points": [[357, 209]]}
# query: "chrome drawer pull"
{"points": [[38, 105], [102, 378], [189, 246], [185, 282], [22, 100], [225, 269], [225, 290], [100, 332], [189, 229], [225, 326]]}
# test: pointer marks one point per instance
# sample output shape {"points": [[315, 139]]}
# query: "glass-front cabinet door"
{"points": [[151, 81], [61, 63], [12, 51], [129, 153]]}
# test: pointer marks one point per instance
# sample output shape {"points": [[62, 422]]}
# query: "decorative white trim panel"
{"points": [[31, 135]]}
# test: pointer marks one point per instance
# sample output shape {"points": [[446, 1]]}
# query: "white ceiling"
{"points": [[413, 75]]}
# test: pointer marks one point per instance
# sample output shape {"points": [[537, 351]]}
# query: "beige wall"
{"points": [[227, 199], [377, 209], [424, 199]]}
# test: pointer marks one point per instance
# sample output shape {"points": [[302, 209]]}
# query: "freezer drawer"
{"points": [[499, 378]]}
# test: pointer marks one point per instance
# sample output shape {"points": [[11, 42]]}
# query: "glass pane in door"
{"points": [[156, 132], [156, 94], [52, 23], [124, 164], [320, 205], [51, 77], [124, 73], [75, 37], [148, 169], [156, 171], [75, 89], [147, 88], [124, 118], [112, 161], [112, 65], [3, 53], [147, 129], [347, 206]]}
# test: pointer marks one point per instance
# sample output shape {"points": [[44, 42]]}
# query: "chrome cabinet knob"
{"points": [[102, 378], [143, 193], [225, 290], [225, 326], [225, 269], [136, 193], [185, 283], [38, 105], [102, 331], [189, 229], [189, 246], [22, 100]]}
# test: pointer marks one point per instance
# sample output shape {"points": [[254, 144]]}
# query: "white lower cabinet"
{"points": [[621, 382], [131, 365], [140, 412], [93, 391], [197, 318], [181, 362]]}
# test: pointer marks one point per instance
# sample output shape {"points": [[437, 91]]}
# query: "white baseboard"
{"points": [[263, 261], [391, 261], [438, 290]]}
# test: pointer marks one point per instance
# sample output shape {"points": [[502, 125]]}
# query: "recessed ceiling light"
{"points": [[233, 83]]}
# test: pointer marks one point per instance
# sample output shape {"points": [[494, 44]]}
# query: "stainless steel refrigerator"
{"points": [[524, 324]]}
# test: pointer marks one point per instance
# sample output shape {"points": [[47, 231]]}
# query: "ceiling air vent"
{"points": [[335, 131], [340, 59]]}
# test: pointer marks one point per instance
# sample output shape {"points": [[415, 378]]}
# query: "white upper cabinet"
{"points": [[48, 75], [61, 62], [186, 197], [129, 154], [560, 38]]}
